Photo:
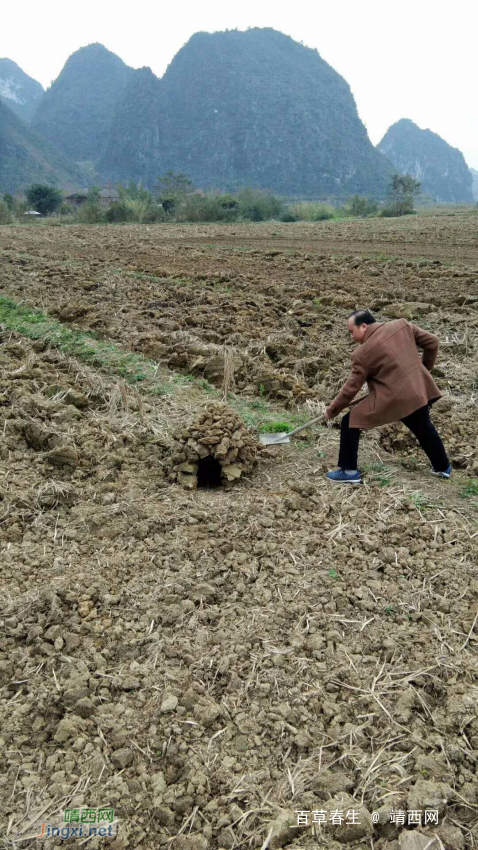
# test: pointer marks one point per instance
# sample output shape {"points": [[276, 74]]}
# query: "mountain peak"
{"points": [[21, 93], [94, 50], [423, 154], [76, 111]]}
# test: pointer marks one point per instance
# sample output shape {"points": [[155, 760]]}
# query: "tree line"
{"points": [[177, 200]]}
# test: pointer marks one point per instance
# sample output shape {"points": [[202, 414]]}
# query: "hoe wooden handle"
{"points": [[307, 425]]}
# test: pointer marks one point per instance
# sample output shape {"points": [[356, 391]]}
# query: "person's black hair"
{"points": [[362, 317]]}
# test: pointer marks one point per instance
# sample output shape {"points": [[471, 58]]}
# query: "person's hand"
{"points": [[326, 419]]}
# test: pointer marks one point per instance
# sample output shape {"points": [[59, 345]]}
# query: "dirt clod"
{"points": [[216, 449]]}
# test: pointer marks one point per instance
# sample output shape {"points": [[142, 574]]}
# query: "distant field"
{"points": [[448, 232], [208, 662]]}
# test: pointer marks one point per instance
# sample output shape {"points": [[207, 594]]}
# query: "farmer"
{"points": [[400, 388]]}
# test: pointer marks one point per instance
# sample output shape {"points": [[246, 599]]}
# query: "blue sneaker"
{"points": [[446, 474], [343, 477]]}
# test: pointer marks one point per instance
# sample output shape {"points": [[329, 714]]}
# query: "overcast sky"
{"points": [[402, 58]]}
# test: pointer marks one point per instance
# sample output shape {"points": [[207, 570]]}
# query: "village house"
{"points": [[106, 196]]}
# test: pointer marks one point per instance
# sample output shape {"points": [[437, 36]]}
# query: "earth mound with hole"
{"points": [[216, 449], [209, 660]]}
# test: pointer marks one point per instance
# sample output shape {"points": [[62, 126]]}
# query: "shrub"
{"points": [[403, 190], [44, 199], [201, 207], [361, 207], [138, 209], [138, 204], [289, 216], [5, 215], [398, 208], [312, 211], [14, 206], [174, 188], [90, 213], [154, 213], [255, 205], [119, 211]]}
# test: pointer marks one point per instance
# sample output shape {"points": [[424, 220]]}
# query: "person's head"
{"points": [[358, 323]]}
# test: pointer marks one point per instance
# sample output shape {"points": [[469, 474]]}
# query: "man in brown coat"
{"points": [[400, 388]]}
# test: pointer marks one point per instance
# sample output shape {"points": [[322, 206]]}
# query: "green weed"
{"points": [[419, 500], [275, 427], [162, 389], [381, 473], [470, 489], [207, 387], [259, 405], [34, 324], [134, 368]]}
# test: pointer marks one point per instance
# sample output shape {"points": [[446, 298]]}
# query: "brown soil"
{"points": [[208, 661]]}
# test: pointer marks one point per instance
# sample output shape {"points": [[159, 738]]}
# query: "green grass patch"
{"points": [[184, 379], [470, 489], [136, 369], [262, 416], [276, 427], [36, 325]]}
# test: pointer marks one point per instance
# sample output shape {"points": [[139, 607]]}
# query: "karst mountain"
{"points": [[25, 158], [245, 108], [75, 113], [441, 169], [233, 109]]}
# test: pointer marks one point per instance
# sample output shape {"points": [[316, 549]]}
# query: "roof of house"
{"points": [[81, 194]]}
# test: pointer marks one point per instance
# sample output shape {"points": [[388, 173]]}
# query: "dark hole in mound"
{"points": [[209, 472]]}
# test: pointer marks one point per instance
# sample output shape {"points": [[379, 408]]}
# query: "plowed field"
{"points": [[209, 662]]}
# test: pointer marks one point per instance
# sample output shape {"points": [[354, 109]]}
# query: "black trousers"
{"points": [[420, 425]]}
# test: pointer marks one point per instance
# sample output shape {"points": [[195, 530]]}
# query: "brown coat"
{"points": [[399, 381]]}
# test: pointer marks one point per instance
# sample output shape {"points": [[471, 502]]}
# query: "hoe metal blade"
{"points": [[282, 437], [271, 439]]}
